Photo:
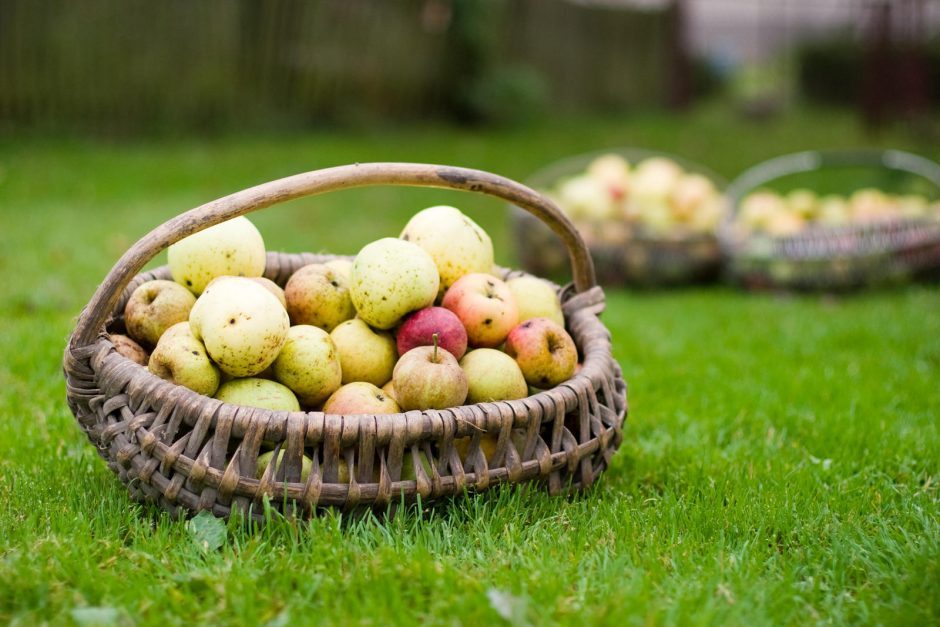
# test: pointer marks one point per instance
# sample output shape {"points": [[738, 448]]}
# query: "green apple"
{"points": [[586, 198], [272, 287], [392, 278], [429, 377], [784, 224], [232, 248], [183, 360], [758, 207], [309, 364], [833, 210], [129, 348], [180, 328], [365, 354], [803, 202], [242, 325], [612, 170], [492, 376], [261, 393], [655, 177], [360, 398], [264, 460], [318, 295], [535, 298], [154, 307], [691, 192], [456, 243]]}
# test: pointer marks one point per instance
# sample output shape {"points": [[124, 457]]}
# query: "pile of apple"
{"points": [[656, 197], [777, 215], [412, 323]]}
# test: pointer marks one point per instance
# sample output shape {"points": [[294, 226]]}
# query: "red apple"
{"points": [[419, 329], [360, 398], [485, 306], [545, 352]]}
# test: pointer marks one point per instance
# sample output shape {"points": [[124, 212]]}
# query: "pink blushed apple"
{"points": [[485, 306], [419, 329], [545, 352]]}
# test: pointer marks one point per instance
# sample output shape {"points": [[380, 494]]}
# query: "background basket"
{"points": [[835, 257], [620, 257], [187, 452]]}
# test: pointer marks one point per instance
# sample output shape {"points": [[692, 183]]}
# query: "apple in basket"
{"points": [[309, 364], [492, 375], [242, 325], [365, 354], [485, 306], [154, 307], [429, 377], [545, 352], [183, 360], [232, 248], [129, 348], [391, 278], [536, 298], [261, 393], [456, 243], [318, 295], [423, 327], [360, 398]]}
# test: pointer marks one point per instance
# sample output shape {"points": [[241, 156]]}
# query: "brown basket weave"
{"points": [[187, 452]]}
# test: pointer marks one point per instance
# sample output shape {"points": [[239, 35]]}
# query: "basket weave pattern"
{"points": [[187, 452]]}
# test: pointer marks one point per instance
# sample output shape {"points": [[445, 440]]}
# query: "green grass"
{"points": [[780, 463]]}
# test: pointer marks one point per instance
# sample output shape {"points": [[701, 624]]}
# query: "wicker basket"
{"points": [[833, 258], [188, 452], [621, 256]]}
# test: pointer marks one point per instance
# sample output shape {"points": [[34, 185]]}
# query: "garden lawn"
{"points": [[780, 461]]}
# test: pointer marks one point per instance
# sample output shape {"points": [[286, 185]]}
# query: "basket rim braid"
{"points": [[678, 257], [865, 253], [187, 452]]}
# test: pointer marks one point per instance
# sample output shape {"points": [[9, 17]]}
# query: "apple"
{"points": [[389, 388], [758, 208], [184, 361], [492, 376], [488, 443], [784, 224], [180, 328], [365, 354], [614, 172], [261, 393], [585, 198], [129, 348], [709, 214], [154, 307], [308, 364], [318, 295], [264, 460], [429, 377], [485, 306], [535, 298], [545, 352], [456, 243], [419, 329], [803, 202], [655, 177], [390, 279], [232, 248], [360, 398], [833, 210], [272, 287], [408, 472], [690, 193], [242, 325]]}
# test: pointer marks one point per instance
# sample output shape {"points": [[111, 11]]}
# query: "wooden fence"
{"points": [[144, 65]]}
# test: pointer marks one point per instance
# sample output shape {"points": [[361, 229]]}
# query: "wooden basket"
{"points": [[187, 452], [620, 257], [832, 258]]}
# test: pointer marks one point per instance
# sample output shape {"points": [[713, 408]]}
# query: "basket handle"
{"points": [[95, 314]]}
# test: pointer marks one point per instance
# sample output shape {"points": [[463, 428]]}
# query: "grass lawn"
{"points": [[780, 463]]}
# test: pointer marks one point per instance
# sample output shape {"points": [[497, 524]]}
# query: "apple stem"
{"points": [[434, 339]]}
